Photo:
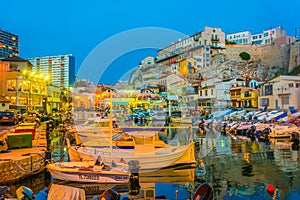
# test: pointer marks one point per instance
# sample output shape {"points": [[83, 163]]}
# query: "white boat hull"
{"points": [[156, 159], [80, 172]]}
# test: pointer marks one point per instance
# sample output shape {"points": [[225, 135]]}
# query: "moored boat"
{"points": [[147, 155], [87, 172], [124, 140]]}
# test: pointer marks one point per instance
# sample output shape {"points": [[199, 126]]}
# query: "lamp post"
{"points": [[110, 119]]}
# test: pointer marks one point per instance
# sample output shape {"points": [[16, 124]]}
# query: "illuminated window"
{"points": [[26, 87], [35, 88], [11, 85]]}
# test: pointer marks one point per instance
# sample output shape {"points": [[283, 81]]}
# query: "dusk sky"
{"points": [[69, 27]]}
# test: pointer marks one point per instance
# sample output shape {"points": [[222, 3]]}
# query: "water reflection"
{"points": [[235, 168]]}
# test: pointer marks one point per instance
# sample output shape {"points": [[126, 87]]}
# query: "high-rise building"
{"points": [[9, 44], [61, 68]]}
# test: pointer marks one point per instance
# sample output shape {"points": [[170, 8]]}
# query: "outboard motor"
{"points": [[134, 167]]}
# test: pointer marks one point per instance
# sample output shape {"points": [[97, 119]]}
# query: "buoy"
{"points": [[270, 189]]}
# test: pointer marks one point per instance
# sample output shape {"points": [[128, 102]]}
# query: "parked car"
{"points": [[18, 114], [31, 117], [9, 117]]}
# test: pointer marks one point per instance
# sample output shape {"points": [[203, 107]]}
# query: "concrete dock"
{"points": [[19, 163]]}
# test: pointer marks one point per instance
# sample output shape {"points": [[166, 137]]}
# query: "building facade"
{"points": [[9, 44], [282, 92], [243, 97], [61, 69], [223, 91], [25, 90], [267, 37], [200, 46]]}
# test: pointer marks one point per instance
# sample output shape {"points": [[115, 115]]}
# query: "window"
{"points": [[206, 93], [11, 85], [291, 85], [247, 94], [297, 85], [264, 101], [269, 90], [285, 100], [200, 93], [26, 86], [212, 91]]}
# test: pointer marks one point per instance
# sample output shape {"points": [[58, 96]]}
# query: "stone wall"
{"points": [[268, 56], [12, 170], [295, 55]]}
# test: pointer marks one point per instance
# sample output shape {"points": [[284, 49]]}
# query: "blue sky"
{"points": [[77, 27]]}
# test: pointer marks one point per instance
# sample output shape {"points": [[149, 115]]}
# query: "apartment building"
{"points": [[266, 37], [61, 68], [200, 46], [9, 44]]}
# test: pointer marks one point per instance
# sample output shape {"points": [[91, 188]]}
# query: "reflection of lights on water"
{"points": [[246, 157], [201, 163], [223, 143]]}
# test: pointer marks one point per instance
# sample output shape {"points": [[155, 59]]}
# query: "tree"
{"points": [[245, 56]]}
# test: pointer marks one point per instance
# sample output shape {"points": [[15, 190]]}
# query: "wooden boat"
{"points": [[204, 191], [147, 155], [88, 172]]}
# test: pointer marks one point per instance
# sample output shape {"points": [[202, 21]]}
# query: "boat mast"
{"points": [[110, 119]]}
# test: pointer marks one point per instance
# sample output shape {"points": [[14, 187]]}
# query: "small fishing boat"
{"points": [[88, 172], [148, 156]]}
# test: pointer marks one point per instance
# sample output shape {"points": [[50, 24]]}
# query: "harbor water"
{"points": [[235, 168]]}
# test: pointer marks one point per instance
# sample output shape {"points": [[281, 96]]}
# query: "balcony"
{"points": [[215, 39]]}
